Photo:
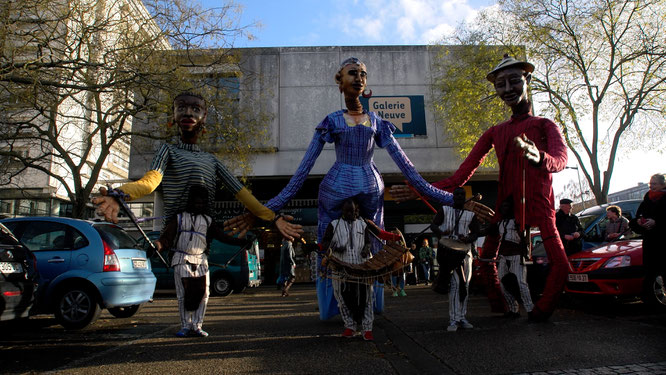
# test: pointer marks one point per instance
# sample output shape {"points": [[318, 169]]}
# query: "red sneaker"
{"points": [[348, 333], [367, 336]]}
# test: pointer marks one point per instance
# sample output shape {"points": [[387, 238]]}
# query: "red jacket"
{"points": [[538, 187]]}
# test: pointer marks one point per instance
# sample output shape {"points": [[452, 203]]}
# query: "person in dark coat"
{"points": [[650, 221], [569, 227]]}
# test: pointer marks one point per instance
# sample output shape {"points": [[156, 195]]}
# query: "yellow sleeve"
{"points": [[252, 204], [144, 186]]}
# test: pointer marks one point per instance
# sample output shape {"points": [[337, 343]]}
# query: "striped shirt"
{"points": [[183, 165], [456, 221], [351, 237], [191, 242], [508, 232]]}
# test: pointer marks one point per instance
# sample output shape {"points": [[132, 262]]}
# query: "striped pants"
{"points": [[458, 308], [512, 264], [191, 319], [347, 313]]}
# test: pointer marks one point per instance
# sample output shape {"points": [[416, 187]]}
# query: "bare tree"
{"points": [[600, 72], [75, 75]]}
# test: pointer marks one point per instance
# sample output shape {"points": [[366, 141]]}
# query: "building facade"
{"points": [[296, 87]]}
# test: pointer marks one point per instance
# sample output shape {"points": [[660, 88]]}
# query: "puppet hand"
{"points": [[158, 245], [240, 224], [402, 193], [530, 150], [107, 207], [288, 230], [483, 212]]}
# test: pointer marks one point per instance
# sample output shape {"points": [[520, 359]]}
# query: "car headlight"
{"points": [[620, 261]]}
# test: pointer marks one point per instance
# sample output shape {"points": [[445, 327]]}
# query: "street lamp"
{"points": [[580, 185]]}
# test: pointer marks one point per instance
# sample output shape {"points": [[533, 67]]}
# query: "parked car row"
{"points": [[83, 267], [603, 269], [75, 268]]}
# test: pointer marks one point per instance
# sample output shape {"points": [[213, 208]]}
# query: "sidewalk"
{"points": [[259, 332]]}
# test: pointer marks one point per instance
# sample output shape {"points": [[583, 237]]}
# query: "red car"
{"points": [[614, 269]]}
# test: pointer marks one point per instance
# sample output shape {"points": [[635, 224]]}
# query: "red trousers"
{"points": [[557, 277]]}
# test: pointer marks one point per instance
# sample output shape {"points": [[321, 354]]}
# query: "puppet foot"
{"points": [[537, 316], [183, 332]]}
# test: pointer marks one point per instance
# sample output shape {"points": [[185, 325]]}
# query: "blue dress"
{"points": [[354, 174]]}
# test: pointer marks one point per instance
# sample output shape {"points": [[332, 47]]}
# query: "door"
{"points": [[51, 243]]}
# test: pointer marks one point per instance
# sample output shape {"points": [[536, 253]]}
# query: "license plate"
{"points": [[139, 263], [10, 267], [578, 277]]}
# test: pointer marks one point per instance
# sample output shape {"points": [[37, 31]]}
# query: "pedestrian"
{"points": [[617, 225], [177, 166], [462, 227], [650, 221], [188, 235], [349, 240], [425, 259], [511, 268], [569, 228], [355, 133], [287, 266], [529, 149]]}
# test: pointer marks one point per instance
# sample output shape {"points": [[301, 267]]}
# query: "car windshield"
{"points": [[586, 220], [115, 236]]}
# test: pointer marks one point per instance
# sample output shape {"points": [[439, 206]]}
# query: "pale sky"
{"points": [[396, 22]]}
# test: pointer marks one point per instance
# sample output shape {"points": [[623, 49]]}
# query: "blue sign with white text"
{"points": [[407, 113]]}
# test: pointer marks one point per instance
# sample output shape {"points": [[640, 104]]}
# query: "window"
{"points": [[47, 235]]}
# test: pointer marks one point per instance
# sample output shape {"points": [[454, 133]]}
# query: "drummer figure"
{"points": [[457, 230]]}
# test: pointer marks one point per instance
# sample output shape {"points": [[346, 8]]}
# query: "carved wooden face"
{"points": [[511, 85], [352, 79], [189, 113]]}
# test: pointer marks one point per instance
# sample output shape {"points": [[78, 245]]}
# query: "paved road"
{"points": [[259, 332]]}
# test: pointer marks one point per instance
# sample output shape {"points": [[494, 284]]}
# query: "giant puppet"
{"points": [[355, 133], [529, 150]]}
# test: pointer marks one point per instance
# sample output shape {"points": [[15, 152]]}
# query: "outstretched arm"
{"points": [[413, 176], [466, 170], [296, 181]]}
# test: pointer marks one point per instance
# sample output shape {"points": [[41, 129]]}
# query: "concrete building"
{"points": [[297, 88]]}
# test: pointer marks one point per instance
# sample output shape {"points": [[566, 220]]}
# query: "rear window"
{"points": [[115, 237]]}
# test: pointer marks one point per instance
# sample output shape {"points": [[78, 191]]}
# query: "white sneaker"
{"points": [[465, 324], [453, 326]]}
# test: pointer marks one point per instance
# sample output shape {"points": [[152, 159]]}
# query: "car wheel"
{"points": [[125, 311], [76, 307], [221, 286], [655, 291]]}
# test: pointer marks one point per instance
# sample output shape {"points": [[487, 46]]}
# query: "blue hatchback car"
{"points": [[85, 266]]}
